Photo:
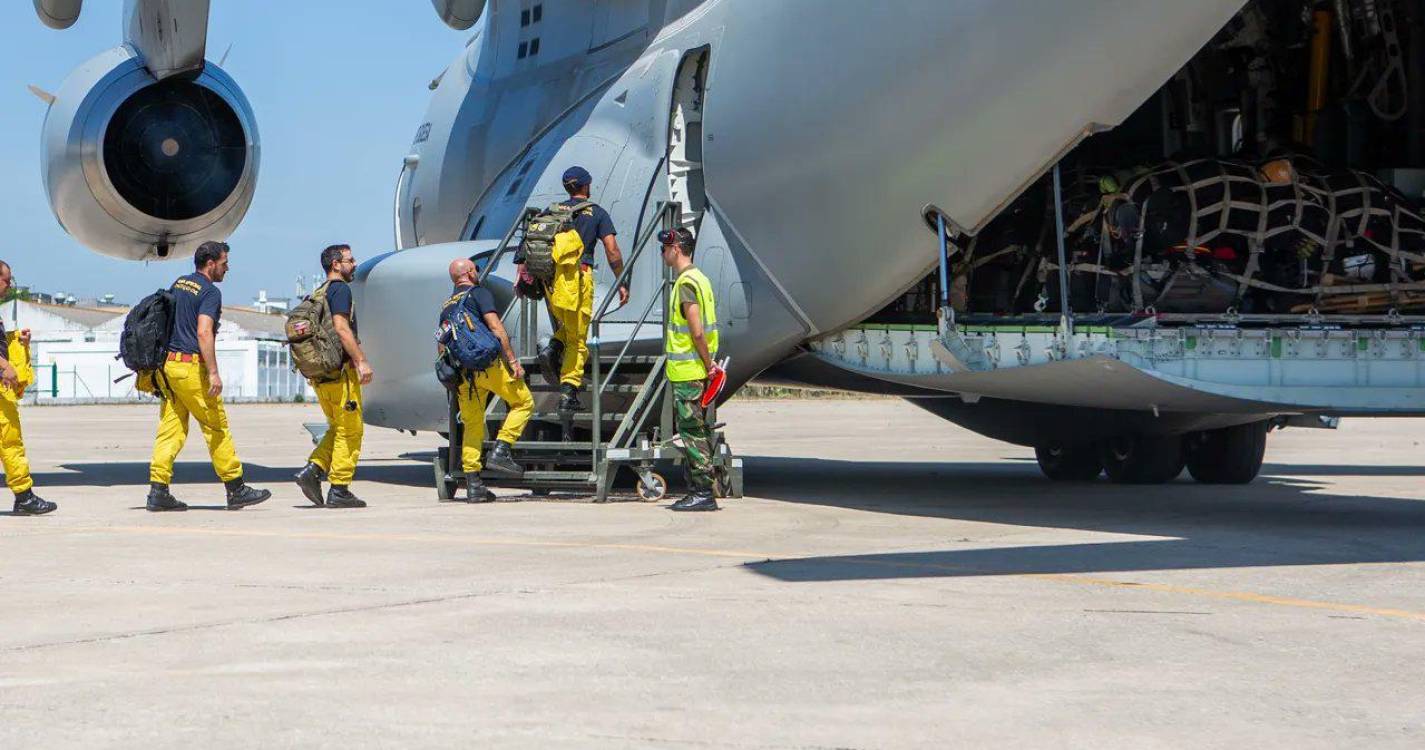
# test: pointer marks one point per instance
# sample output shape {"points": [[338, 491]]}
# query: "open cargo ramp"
{"points": [[1209, 367]]}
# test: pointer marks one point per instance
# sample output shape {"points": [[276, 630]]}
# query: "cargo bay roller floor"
{"points": [[889, 581]]}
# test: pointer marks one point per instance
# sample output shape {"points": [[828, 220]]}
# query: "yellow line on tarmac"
{"points": [[1237, 596], [1167, 588]]}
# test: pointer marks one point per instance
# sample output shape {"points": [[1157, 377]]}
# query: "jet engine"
{"points": [[139, 168]]}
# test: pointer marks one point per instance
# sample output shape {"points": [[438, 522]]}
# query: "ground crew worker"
{"points": [[15, 374], [571, 297], [335, 456], [691, 347], [190, 386], [504, 378]]}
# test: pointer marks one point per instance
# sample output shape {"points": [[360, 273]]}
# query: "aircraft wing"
{"points": [[170, 35]]}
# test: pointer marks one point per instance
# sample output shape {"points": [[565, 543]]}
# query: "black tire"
{"points": [[1142, 460], [444, 488], [1078, 462], [1231, 455]]}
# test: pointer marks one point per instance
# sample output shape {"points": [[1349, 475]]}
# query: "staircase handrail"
{"points": [[504, 246]]}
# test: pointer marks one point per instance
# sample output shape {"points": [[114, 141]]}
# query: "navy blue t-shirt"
{"points": [[480, 301], [340, 303], [193, 295], [593, 226]]}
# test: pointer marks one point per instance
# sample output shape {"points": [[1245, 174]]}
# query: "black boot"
{"points": [[310, 479], [551, 359], [27, 503], [476, 492], [240, 495], [340, 497], [161, 500], [501, 462], [697, 500], [569, 398], [568, 406]]}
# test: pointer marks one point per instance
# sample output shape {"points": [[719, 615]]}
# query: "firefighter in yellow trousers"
{"points": [[335, 456], [15, 375], [571, 296], [191, 387], [503, 378]]}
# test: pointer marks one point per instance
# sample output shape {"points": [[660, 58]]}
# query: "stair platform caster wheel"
{"points": [[445, 485], [652, 487]]}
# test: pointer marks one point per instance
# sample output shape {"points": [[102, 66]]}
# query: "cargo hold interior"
{"points": [[1279, 175]]}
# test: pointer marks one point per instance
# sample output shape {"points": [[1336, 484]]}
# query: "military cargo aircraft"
{"points": [[848, 168]]}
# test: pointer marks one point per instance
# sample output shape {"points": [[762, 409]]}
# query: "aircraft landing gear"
{"points": [[1231, 455], [1141, 459], [1074, 462]]}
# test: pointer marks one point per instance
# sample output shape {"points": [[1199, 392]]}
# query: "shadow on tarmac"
{"points": [[1275, 521], [201, 472]]}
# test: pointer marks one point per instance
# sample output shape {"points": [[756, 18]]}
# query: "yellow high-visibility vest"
{"points": [[684, 363]]}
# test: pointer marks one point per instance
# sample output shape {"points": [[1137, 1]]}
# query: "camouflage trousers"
{"points": [[693, 428]]}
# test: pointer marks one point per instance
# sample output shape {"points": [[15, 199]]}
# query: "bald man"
{"points": [[504, 378]]}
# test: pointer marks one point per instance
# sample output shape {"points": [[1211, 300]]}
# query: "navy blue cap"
{"points": [[578, 176]]}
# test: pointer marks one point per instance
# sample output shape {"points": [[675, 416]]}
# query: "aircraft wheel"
{"points": [[1141, 459], [1231, 455], [1076, 462]]}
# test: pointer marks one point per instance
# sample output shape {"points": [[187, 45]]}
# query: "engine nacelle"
{"points": [[141, 169]]}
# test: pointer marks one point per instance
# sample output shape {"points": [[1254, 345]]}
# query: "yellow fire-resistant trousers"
{"points": [[573, 316], [12, 441], [12, 448], [341, 445], [185, 394], [498, 380]]}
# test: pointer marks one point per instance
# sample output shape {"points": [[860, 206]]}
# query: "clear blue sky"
{"points": [[339, 88]]}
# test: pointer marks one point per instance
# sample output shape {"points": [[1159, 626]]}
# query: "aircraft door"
{"points": [[685, 135]]}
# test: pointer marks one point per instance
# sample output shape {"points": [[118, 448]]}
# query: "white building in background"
{"points": [[74, 351]]}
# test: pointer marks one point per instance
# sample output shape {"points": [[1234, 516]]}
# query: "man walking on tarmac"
{"points": [[12, 441], [504, 378], [691, 347], [335, 456], [190, 386], [571, 297]]}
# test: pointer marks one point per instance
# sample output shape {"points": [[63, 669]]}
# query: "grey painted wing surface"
{"points": [[170, 35]]}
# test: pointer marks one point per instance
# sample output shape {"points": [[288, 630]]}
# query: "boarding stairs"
{"points": [[626, 416]]}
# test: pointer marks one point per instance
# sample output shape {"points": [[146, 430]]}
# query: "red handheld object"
{"points": [[717, 379]]}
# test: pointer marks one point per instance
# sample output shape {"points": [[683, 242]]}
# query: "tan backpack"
{"points": [[311, 336]]}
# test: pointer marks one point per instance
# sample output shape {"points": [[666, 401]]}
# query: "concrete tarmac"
{"points": [[891, 581]]}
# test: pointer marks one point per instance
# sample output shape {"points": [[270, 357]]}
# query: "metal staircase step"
{"points": [[631, 359], [554, 446], [554, 476], [583, 417], [546, 387]]}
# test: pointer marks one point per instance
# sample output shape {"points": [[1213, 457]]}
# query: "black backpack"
{"points": [[143, 346]]}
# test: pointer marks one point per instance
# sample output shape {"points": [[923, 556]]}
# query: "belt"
{"points": [[183, 357]]}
